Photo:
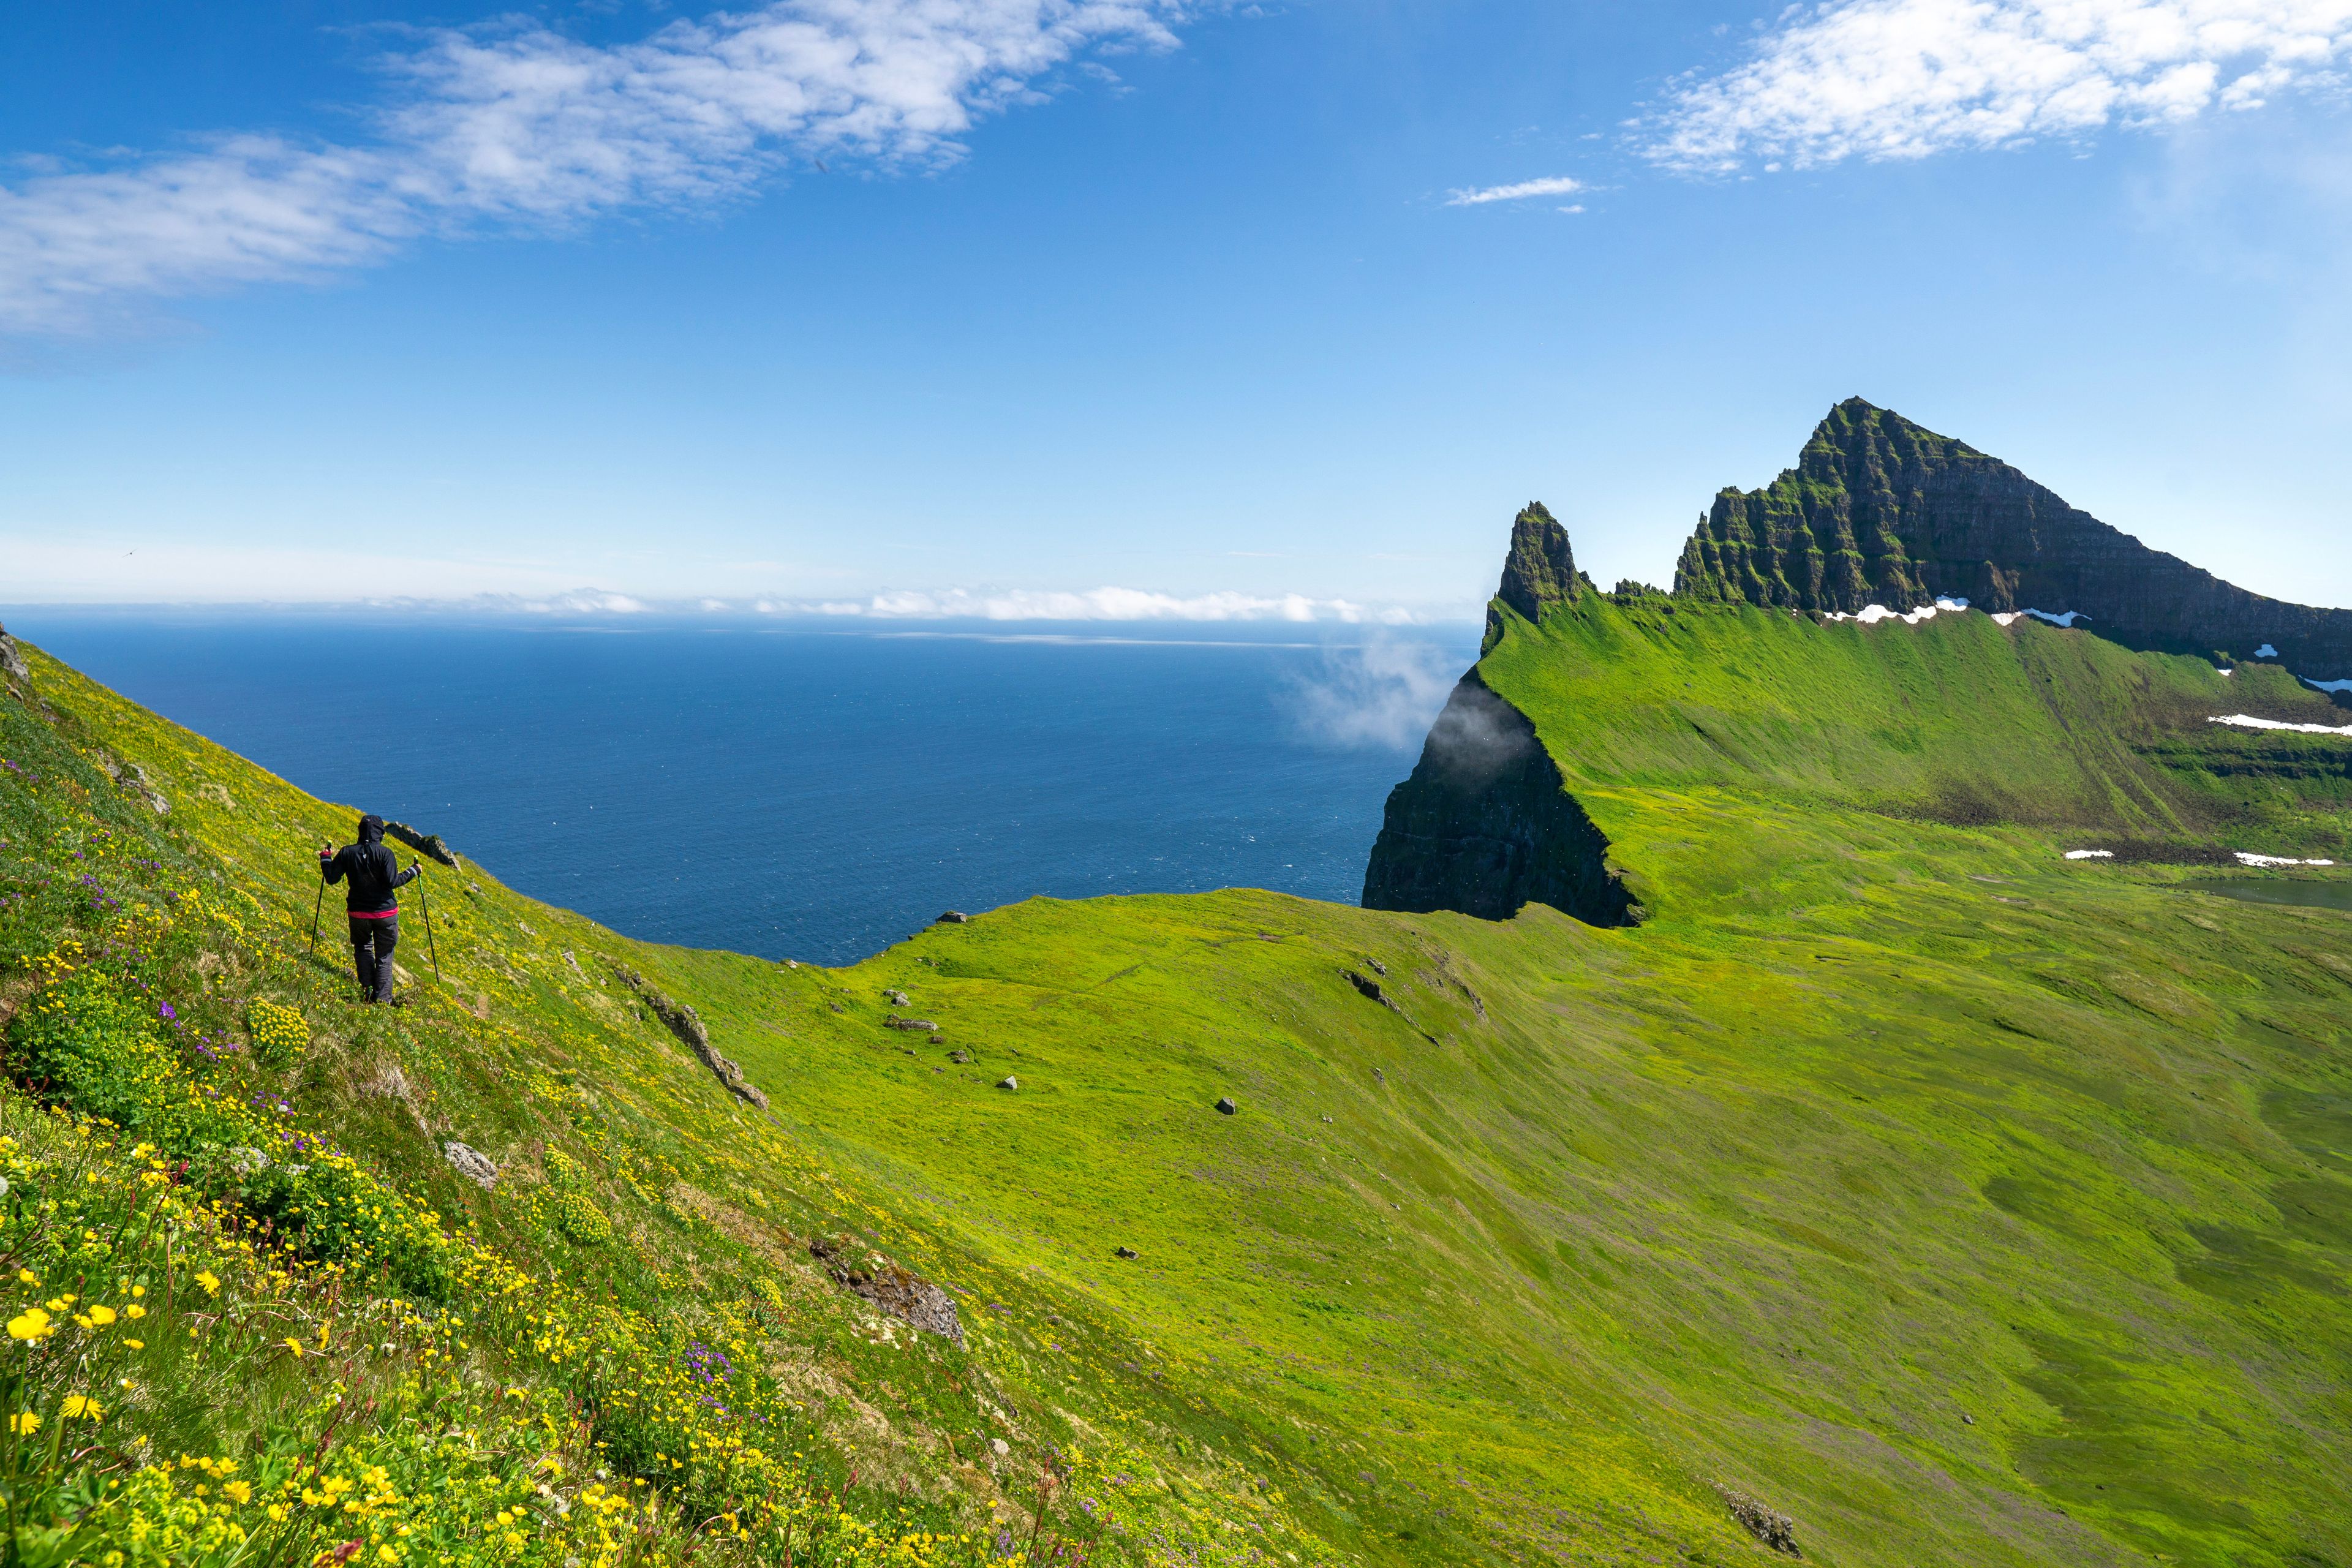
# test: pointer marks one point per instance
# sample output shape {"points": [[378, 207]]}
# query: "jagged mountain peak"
{"points": [[1540, 570], [1880, 509]]}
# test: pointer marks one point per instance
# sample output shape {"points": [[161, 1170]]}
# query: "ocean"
{"points": [[812, 792]]}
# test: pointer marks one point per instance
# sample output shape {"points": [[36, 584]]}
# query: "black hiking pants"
{"points": [[372, 944]]}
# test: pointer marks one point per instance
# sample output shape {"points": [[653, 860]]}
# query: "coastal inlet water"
{"points": [[806, 791]]}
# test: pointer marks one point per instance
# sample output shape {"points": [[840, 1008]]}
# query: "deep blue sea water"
{"points": [[810, 791]]}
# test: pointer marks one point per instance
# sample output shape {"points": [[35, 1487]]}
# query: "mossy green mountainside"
{"points": [[1895, 1176]]}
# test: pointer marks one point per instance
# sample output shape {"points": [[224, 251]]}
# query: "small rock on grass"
{"points": [[1226, 1107], [1008, 1081], [1128, 1252], [953, 917], [472, 1164]]}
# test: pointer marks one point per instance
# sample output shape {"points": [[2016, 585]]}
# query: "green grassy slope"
{"points": [[1663, 715], [1964, 1205]]}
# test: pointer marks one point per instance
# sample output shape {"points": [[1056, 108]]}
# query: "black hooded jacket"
{"points": [[375, 871]]}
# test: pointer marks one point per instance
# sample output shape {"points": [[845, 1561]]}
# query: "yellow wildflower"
{"points": [[25, 1422], [30, 1324], [294, 1345], [239, 1492], [101, 1316], [84, 1406], [205, 1277]]}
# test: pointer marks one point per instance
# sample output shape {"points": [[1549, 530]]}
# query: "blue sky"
{"points": [[1127, 308]]}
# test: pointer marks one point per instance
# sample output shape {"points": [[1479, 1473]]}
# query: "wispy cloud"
{"points": [[521, 128], [1905, 78], [1558, 186]]}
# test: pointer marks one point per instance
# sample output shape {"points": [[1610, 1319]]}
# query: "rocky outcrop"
{"points": [[681, 1021], [428, 844], [905, 1296], [1485, 824], [12, 659], [1768, 1524], [1880, 511]]}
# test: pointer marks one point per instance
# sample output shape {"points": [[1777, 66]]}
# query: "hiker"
{"points": [[373, 872]]}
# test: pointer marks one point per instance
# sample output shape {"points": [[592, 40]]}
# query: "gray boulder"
{"points": [[472, 1164]]}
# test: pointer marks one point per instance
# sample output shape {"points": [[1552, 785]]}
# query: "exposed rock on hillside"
{"points": [[12, 658], [896, 1292], [1880, 511], [681, 1021], [472, 1164], [1768, 1524], [1485, 825], [429, 845]]}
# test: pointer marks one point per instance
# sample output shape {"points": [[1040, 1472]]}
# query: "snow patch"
{"points": [[2067, 620], [2266, 651], [2247, 858], [2248, 721], [2090, 854], [1871, 615], [2327, 685]]}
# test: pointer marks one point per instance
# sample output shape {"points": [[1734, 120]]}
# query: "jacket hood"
{"points": [[370, 830]]}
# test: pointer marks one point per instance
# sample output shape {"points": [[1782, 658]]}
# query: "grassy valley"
{"points": [[1957, 1201]]}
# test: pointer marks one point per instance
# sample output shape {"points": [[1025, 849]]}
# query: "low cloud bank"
{"points": [[1122, 605], [1126, 606]]}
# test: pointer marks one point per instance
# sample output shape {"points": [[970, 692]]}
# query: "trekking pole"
{"points": [[317, 904], [426, 905]]}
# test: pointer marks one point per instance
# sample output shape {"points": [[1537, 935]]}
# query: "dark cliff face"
{"points": [[1484, 825], [1880, 511]]}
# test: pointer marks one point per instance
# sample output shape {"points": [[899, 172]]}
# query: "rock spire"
{"points": [[1540, 571]]}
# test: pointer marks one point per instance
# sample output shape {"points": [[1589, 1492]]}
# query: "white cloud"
{"points": [[525, 128], [1905, 79], [1558, 186]]}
